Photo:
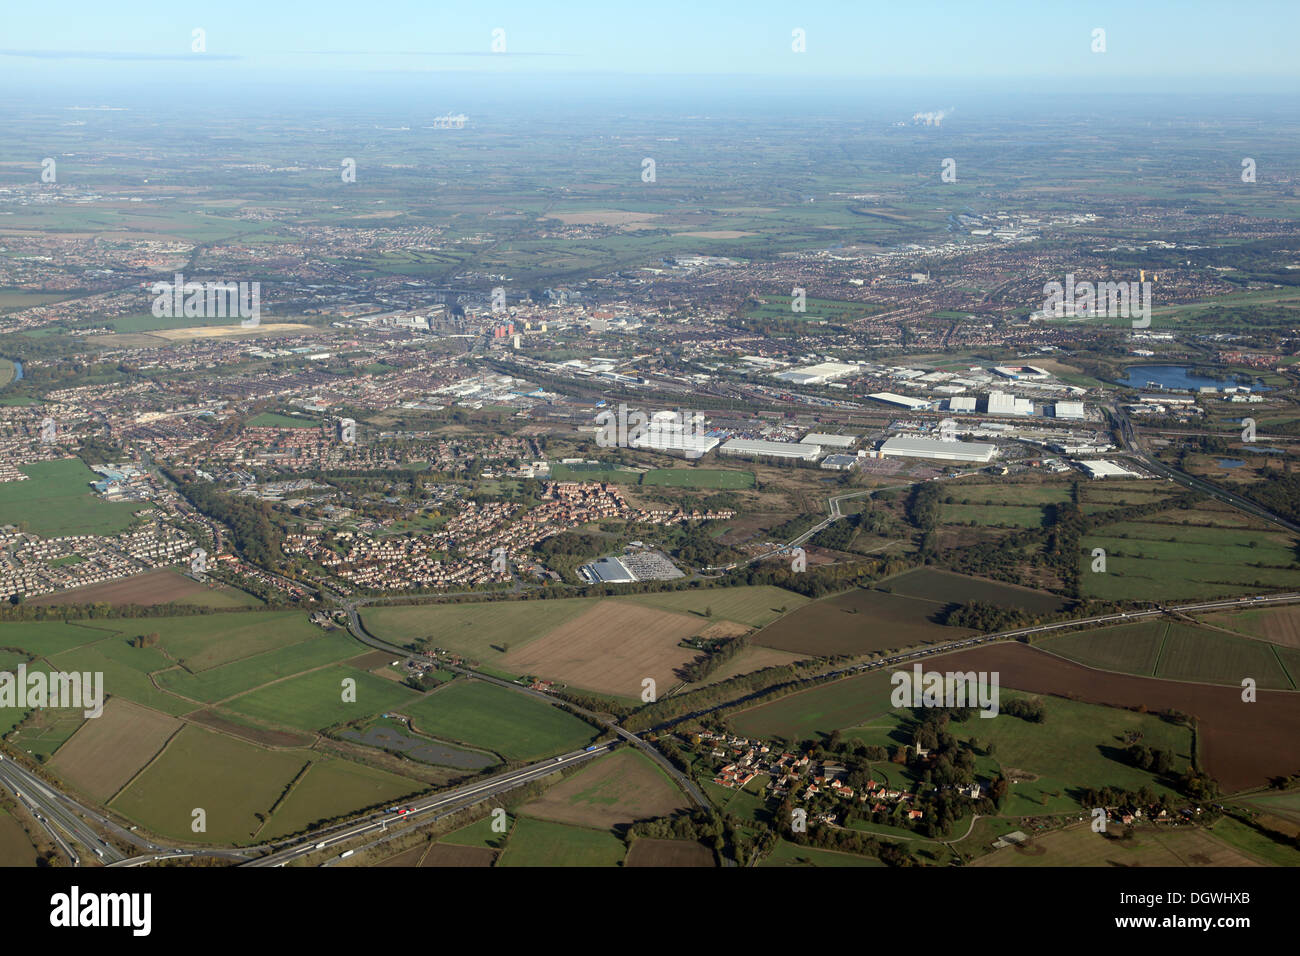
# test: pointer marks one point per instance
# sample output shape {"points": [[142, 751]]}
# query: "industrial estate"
{"points": [[796, 506]]}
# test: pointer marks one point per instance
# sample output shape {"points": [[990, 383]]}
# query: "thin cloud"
{"points": [[414, 53], [114, 55]]}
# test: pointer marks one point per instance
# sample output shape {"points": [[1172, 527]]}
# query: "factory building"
{"points": [[912, 446]]}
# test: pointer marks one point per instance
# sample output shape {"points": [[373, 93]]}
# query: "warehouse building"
{"points": [[674, 439], [818, 374], [756, 448], [1002, 403], [912, 446], [829, 441], [1106, 469], [840, 462], [606, 571], [1072, 410], [961, 403], [912, 404]]}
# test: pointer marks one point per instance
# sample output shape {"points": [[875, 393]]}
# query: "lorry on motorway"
{"points": [[320, 846], [346, 853]]}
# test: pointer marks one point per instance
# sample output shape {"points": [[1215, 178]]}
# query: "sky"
{"points": [[1149, 46]]}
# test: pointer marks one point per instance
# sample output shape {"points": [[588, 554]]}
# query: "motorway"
{"points": [[52, 812], [1134, 449], [62, 816], [456, 798], [360, 633], [1116, 618]]}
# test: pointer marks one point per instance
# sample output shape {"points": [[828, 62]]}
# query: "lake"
{"points": [[1176, 376]]}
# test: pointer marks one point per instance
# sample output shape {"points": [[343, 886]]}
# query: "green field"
{"points": [[1013, 494], [805, 715], [218, 683], [995, 516], [1077, 745], [43, 638], [711, 478], [230, 779], [58, 501], [48, 730], [200, 642], [792, 854], [332, 788], [857, 622], [1150, 561], [477, 631], [123, 673], [314, 701], [947, 587], [1249, 840], [493, 718], [754, 606], [1198, 654], [541, 843], [1284, 805], [1176, 651], [1129, 648], [480, 833], [585, 472]]}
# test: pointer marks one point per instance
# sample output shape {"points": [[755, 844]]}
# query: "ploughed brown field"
{"points": [[669, 853], [1242, 745], [162, 586], [445, 854], [107, 751], [610, 648], [257, 735]]}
